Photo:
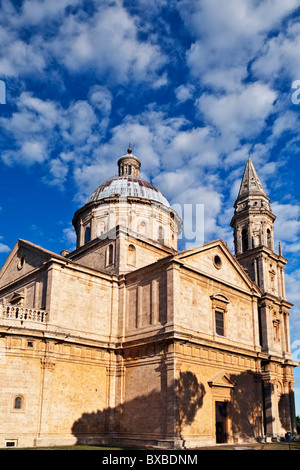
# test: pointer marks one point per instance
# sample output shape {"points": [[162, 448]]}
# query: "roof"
{"points": [[250, 184], [128, 186]]}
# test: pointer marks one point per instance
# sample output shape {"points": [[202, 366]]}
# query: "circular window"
{"points": [[217, 261]]}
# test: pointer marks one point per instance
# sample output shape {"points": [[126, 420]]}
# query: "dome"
{"points": [[128, 202], [128, 186]]}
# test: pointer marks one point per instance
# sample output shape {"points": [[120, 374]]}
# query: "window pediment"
{"points": [[220, 297], [222, 379]]}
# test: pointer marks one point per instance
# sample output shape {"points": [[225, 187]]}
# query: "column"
{"points": [[268, 398], [292, 407], [81, 235], [286, 315], [44, 421], [154, 301], [266, 327], [111, 392], [93, 226], [261, 268]]}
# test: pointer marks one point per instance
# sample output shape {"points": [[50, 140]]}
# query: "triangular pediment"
{"points": [[221, 379], [215, 260], [24, 258]]}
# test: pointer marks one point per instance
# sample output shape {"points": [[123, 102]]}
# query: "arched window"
{"points": [[87, 235], [21, 262], [160, 234], [18, 401], [132, 255], [245, 239]]}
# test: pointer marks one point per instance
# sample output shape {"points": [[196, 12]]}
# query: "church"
{"points": [[128, 341]]}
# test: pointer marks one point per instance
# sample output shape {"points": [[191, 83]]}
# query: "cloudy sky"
{"points": [[193, 85]]}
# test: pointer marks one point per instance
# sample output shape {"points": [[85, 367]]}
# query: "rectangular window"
{"points": [[11, 444], [219, 319]]}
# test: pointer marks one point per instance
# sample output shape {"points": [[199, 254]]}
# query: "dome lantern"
{"points": [[129, 164]]}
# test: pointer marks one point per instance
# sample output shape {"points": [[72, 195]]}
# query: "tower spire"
{"points": [[250, 184]]}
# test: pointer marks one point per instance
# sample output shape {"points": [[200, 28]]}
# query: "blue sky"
{"points": [[194, 85]]}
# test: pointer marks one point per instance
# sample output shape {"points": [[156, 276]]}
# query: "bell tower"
{"points": [[253, 224]]}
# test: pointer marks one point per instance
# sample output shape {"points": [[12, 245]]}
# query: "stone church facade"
{"points": [[127, 340]]}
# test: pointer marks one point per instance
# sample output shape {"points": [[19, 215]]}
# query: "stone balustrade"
{"points": [[13, 312]]}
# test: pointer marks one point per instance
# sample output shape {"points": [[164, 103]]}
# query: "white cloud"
{"points": [[292, 281], [58, 170], [33, 12], [292, 287], [287, 224], [24, 121], [228, 34], [184, 93], [237, 20], [103, 40], [193, 147], [238, 155], [286, 121], [279, 57], [38, 125], [186, 194], [78, 122], [238, 115], [101, 99], [4, 248], [108, 43], [27, 154], [18, 57], [69, 238]]}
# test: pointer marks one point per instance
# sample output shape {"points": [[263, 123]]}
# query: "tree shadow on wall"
{"points": [[189, 398], [146, 415], [286, 408], [150, 416], [251, 406], [246, 406]]}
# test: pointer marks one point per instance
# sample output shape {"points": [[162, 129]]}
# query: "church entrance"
{"points": [[221, 422]]}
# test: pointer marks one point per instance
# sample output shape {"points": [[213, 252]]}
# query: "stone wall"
{"points": [[63, 391]]}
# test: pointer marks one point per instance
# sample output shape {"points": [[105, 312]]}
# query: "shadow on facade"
{"points": [[255, 405], [246, 406], [149, 416], [189, 399]]}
